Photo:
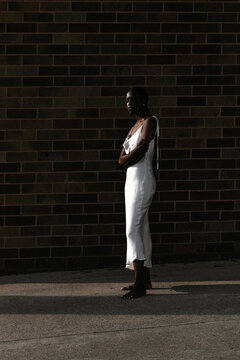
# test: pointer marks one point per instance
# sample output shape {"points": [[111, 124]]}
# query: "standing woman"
{"points": [[140, 186]]}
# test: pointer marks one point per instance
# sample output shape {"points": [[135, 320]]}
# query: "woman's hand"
{"points": [[126, 160]]}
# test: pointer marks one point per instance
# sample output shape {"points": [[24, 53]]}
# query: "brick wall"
{"points": [[65, 67]]}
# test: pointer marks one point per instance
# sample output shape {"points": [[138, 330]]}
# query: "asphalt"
{"points": [[192, 312]]}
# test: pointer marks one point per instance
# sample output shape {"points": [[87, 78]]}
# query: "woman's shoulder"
{"points": [[151, 121]]}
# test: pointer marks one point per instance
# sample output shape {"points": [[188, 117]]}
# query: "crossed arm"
{"points": [[147, 134]]}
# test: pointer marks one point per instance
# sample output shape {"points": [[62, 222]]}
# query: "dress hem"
{"points": [[129, 265]]}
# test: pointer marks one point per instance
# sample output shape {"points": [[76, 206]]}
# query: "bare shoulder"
{"points": [[151, 122], [149, 128]]}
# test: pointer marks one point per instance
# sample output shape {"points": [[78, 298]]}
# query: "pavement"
{"points": [[192, 313]]}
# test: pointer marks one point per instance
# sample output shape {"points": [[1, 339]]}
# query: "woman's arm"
{"points": [[149, 129], [133, 156], [147, 134]]}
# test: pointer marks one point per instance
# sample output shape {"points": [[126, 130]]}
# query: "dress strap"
{"points": [[130, 133], [157, 135]]}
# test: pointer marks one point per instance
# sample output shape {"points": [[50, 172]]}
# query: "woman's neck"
{"points": [[142, 117]]}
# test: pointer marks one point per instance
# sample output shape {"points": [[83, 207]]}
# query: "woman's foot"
{"points": [[136, 292], [130, 287]]}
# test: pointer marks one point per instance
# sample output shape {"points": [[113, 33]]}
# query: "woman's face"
{"points": [[134, 104]]}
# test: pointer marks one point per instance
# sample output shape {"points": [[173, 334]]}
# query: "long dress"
{"points": [[140, 187]]}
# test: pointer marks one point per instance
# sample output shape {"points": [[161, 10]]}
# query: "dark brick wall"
{"points": [[65, 67]]}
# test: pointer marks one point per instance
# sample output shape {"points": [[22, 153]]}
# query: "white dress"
{"points": [[140, 187]]}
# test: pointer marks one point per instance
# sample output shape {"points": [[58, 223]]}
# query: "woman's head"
{"points": [[136, 100]]}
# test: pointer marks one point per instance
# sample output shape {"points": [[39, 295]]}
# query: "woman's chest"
{"points": [[132, 142]]}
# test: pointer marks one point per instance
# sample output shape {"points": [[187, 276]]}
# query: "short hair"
{"points": [[141, 92]]}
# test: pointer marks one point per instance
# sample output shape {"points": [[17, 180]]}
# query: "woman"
{"points": [[140, 186]]}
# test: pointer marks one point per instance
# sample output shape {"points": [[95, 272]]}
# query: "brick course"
{"points": [[65, 67]]}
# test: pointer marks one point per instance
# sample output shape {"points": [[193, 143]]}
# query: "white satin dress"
{"points": [[140, 187]]}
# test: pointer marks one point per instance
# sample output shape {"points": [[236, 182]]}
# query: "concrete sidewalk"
{"points": [[193, 312]]}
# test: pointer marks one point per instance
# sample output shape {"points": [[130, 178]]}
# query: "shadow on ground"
{"points": [[189, 299], [210, 288]]}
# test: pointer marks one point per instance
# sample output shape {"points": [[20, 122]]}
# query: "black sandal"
{"points": [[135, 293], [131, 287]]}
